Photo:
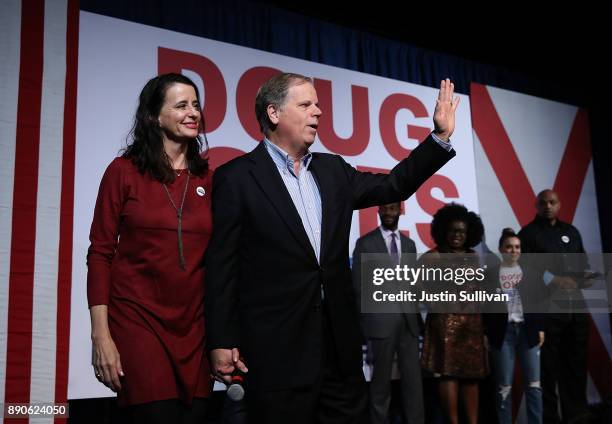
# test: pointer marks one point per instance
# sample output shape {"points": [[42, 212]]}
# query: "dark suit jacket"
{"points": [[381, 325], [533, 297], [263, 281]]}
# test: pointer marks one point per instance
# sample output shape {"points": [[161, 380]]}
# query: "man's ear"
{"points": [[273, 114]]}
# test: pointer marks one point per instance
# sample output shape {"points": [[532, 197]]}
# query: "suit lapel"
{"points": [[267, 177], [408, 253], [381, 244], [325, 184]]}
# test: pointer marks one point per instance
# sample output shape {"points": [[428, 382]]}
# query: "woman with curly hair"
{"points": [[453, 349], [151, 225]]}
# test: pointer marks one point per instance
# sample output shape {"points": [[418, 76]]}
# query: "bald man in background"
{"points": [[564, 353]]}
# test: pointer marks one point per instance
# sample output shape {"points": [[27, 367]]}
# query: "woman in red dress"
{"points": [[145, 280]]}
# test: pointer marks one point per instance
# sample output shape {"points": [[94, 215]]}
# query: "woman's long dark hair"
{"points": [[145, 147]]}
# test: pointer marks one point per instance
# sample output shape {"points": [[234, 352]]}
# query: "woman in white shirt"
{"points": [[516, 332]]}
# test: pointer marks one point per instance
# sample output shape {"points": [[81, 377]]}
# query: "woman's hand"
{"points": [[540, 338], [106, 362], [105, 356]]}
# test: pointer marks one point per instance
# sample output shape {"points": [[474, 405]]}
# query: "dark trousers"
{"points": [[564, 365], [383, 349], [333, 400], [169, 411]]}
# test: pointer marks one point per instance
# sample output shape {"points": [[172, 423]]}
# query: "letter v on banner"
{"points": [[513, 180]]}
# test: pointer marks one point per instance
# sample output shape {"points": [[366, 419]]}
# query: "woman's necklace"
{"points": [[179, 216]]}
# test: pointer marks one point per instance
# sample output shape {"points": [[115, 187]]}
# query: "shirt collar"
{"points": [[282, 158], [387, 233]]}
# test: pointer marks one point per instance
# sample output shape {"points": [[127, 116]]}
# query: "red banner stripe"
{"points": [[501, 154], [21, 277], [574, 166], [64, 282]]}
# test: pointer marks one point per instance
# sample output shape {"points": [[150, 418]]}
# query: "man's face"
{"points": [[297, 120], [389, 215], [548, 205]]}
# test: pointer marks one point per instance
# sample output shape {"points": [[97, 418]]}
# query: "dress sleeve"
{"points": [[104, 233]]}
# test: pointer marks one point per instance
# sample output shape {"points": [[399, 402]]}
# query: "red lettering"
{"points": [[246, 91], [388, 111], [358, 141], [215, 93], [505, 162], [368, 218], [431, 205], [217, 156]]}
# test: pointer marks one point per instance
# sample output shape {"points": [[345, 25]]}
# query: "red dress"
{"points": [[155, 308]]}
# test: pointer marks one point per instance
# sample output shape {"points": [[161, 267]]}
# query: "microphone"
{"points": [[235, 391]]}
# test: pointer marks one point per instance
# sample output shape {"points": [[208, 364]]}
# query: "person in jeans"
{"points": [[517, 330]]}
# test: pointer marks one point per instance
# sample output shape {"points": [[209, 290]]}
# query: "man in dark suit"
{"points": [[279, 297], [395, 330]]}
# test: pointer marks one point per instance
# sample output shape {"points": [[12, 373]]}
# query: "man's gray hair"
{"points": [[274, 92]]}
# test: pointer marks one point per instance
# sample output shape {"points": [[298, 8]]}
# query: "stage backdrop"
{"points": [[523, 145], [372, 121], [509, 145]]}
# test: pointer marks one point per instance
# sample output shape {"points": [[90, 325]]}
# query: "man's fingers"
{"points": [[448, 90], [456, 103], [445, 94], [241, 366], [224, 375], [224, 368], [223, 379]]}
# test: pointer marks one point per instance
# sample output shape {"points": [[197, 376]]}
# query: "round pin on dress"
{"points": [[565, 239], [200, 191]]}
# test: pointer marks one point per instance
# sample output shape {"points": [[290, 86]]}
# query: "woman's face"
{"points": [[456, 235], [179, 117], [511, 249]]}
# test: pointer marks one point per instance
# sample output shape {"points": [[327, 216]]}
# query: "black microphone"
{"points": [[235, 390]]}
